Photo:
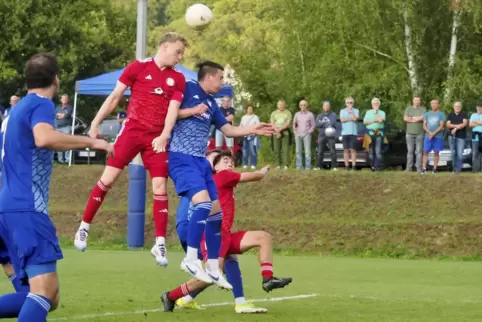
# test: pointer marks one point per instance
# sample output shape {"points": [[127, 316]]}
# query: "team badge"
{"points": [[170, 82]]}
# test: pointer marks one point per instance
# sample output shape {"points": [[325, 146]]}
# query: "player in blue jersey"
{"points": [[191, 172], [28, 233]]}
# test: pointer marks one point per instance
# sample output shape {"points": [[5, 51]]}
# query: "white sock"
{"points": [[213, 265], [240, 300], [160, 241], [84, 226], [187, 299], [191, 254]]}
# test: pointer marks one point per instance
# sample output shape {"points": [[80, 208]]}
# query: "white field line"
{"points": [[108, 314]]}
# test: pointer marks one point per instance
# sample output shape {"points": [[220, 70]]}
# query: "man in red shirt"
{"points": [[157, 90], [233, 243]]}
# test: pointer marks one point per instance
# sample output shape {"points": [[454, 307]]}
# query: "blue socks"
{"points": [[197, 292], [213, 235], [18, 285], [35, 309], [11, 304], [233, 275], [197, 224]]}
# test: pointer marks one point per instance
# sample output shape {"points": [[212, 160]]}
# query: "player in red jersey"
{"points": [[157, 90], [233, 243]]}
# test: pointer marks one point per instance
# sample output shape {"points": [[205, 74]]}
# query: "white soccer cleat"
{"points": [[80, 240], [219, 279], [195, 269], [159, 252], [249, 308]]}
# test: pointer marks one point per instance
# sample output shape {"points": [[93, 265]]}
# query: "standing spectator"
{"points": [[250, 142], [456, 124], [281, 120], [63, 124], [476, 125], [349, 131], [121, 116], [414, 117], [13, 101], [228, 113], [375, 124], [303, 127], [326, 120], [433, 125]]}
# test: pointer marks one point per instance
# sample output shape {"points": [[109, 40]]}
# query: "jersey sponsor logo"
{"points": [[158, 91], [170, 81], [149, 77]]}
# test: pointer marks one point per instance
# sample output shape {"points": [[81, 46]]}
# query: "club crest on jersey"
{"points": [[158, 91], [170, 81]]}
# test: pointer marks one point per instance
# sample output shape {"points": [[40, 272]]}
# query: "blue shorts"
{"points": [[31, 240], [191, 175], [182, 232], [4, 257], [435, 144]]}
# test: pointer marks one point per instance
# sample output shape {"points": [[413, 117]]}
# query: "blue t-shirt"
{"points": [[474, 118], [26, 168], [433, 122], [190, 135], [349, 128]]}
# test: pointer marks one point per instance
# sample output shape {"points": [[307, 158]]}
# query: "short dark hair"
{"points": [[213, 151], [41, 70], [220, 156], [479, 104], [207, 68]]}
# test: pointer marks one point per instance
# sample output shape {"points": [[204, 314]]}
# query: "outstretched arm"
{"points": [[254, 176]]}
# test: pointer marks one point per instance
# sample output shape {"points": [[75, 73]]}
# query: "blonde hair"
{"points": [[172, 37], [376, 99]]}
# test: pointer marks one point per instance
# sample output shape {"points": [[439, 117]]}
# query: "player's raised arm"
{"points": [[254, 176]]}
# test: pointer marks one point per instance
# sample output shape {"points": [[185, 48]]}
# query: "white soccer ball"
{"points": [[330, 131], [198, 16]]}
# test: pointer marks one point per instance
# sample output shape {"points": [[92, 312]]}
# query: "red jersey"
{"points": [[152, 89], [226, 181]]}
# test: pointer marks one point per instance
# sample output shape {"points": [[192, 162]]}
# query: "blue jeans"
{"points": [[62, 154], [376, 151], [303, 143], [250, 150], [457, 149]]}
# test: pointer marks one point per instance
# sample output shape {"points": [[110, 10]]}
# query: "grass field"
{"points": [[125, 286]]}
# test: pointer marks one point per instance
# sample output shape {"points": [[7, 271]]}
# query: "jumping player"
{"points": [[156, 93], [7, 267], [25, 227], [191, 172]]}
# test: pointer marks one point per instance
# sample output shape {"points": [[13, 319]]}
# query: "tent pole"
{"points": [[73, 124]]}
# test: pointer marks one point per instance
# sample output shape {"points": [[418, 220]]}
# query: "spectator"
{"points": [[281, 120], [433, 125], [13, 101], [414, 117], [250, 142], [228, 113], [476, 125], [326, 120], [63, 124], [456, 124], [349, 131], [303, 127], [121, 116], [375, 120]]}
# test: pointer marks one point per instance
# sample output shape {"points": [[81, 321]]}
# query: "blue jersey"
{"points": [[190, 135], [26, 168]]}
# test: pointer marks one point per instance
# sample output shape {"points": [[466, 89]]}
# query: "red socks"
{"points": [[267, 270], [95, 201], [179, 292], [160, 213]]}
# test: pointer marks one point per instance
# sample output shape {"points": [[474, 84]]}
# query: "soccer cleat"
{"points": [[188, 305], [195, 268], [218, 279], [80, 240], [167, 303], [159, 252], [248, 308], [275, 282]]}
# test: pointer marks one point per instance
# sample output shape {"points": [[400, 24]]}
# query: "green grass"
{"points": [[349, 289]]}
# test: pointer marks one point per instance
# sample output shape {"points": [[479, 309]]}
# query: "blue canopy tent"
{"points": [[104, 84]]}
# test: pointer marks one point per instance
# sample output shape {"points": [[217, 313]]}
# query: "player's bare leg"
{"points": [[160, 214], [107, 180], [169, 298], [263, 241]]}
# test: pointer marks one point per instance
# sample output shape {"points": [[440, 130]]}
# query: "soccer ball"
{"points": [[330, 131], [198, 16]]}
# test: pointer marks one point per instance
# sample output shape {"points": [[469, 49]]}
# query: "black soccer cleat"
{"points": [[168, 304], [275, 282]]}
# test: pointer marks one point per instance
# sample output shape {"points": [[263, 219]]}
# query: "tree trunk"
{"points": [[452, 52], [412, 67]]}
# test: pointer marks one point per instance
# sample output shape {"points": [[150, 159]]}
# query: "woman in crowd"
{"points": [[250, 142]]}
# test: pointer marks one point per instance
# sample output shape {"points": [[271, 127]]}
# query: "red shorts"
{"points": [[133, 139], [230, 244]]}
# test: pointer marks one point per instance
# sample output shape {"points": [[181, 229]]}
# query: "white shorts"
{"points": [[219, 140]]}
